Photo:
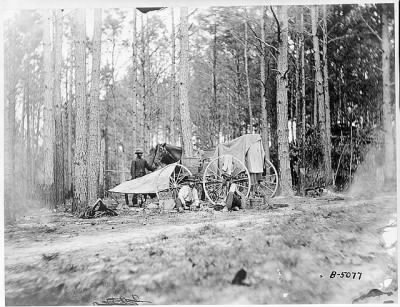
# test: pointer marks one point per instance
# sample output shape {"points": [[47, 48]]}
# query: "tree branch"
{"points": [[277, 23], [369, 27], [260, 40]]}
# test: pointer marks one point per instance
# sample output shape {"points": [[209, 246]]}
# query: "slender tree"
{"points": [[327, 142], [282, 103], [246, 69], [135, 81], [80, 178], [70, 122], [387, 113], [264, 106], [186, 127], [48, 124], [59, 150], [303, 98], [93, 152], [172, 127]]}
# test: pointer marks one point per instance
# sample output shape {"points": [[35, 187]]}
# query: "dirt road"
{"points": [[288, 253]]}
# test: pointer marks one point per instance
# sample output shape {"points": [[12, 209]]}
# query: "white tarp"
{"points": [[150, 183], [248, 149]]}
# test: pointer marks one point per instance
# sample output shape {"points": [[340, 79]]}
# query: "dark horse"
{"points": [[165, 154]]}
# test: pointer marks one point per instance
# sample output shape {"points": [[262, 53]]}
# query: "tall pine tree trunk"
{"points": [[282, 105], [80, 178], [93, 153], [69, 126], [303, 82], [303, 101], [320, 92], [147, 100], [246, 68], [327, 144], [186, 126], [29, 137], [134, 85], [390, 163], [214, 113], [172, 125], [142, 102], [48, 119], [59, 151], [264, 106]]}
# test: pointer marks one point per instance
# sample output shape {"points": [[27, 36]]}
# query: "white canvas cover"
{"points": [[147, 183], [247, 148]]}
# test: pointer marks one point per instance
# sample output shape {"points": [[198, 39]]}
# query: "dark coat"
{"points": [[138, 168]]}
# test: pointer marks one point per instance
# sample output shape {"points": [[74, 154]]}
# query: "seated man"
{"points": [[187, 195], [235, 200]]}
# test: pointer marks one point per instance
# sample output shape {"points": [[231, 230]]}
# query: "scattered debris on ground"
{"points": [[99, 209]]}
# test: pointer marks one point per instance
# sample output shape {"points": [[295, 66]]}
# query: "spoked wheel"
{"points": [[268, 184], [168, 189], [221, 173]]}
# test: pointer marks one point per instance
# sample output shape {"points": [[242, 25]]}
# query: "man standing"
{"points": [[187, 195], [138, 169]]}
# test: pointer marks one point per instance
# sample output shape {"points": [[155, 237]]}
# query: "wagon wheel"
{"points": [[217, 178], [176, 181], [268, 184]]}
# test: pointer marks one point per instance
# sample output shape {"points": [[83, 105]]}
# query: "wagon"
{"points": [[240, 161]]}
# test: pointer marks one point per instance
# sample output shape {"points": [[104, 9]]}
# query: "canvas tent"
{"points": [[150, 183]]}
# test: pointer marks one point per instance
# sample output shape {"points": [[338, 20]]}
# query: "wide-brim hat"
{"points": [[139, 151]]}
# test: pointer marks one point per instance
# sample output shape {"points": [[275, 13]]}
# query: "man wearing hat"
{"points": [[138, 169], [187, 195]]}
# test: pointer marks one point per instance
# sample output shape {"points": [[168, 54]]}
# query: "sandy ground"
{"points": [[289, 254]]}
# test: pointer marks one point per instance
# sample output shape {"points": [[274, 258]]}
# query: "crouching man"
{"points": [[235, 200], [187, 196]]}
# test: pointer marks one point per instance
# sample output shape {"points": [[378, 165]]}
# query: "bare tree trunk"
{"points": [[172, 125], [303, 80], [59, 153], [143, 100], [80, 178], [64, 122], [303, 102], [29, 137], [247, 78], [264, 113], [147, 100], [93, 154], [134, 85], [214, 113], [320, 92], [282, 105], [186, 125], [390, 163], [328, 163], [48, 119], [69, 127]]}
